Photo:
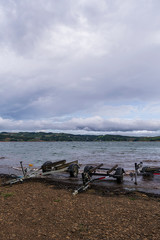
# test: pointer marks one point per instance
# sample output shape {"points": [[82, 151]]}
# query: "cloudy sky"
{"points": [[86, 66]]}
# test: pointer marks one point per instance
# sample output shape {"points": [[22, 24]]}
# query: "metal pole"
{"points": [[135, 174], [22, 168]]}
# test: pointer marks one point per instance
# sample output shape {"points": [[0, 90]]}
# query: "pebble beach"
{"points": [[41, 210]]}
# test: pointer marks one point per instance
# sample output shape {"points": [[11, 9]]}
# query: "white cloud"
{"points": [[92, 125]]}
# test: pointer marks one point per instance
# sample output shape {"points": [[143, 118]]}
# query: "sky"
{"points": [[86, 66]]}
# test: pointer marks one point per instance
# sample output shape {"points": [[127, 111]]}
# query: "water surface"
{"points": [[125, 154]]}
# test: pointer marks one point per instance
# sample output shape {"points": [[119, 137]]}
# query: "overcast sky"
{"points": [[86, 66]]}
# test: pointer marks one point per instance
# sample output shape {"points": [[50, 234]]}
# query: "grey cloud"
{"points": [[25, 22], [68, 58]]}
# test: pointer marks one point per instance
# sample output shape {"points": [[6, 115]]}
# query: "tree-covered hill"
{"points": [[41, 136]]}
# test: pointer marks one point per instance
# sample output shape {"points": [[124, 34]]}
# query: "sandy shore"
{"points": [[38, 210]]}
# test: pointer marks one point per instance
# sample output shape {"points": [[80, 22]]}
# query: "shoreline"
{"points": [[128, 186], [98, 189]]}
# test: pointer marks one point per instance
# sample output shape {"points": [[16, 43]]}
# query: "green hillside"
{"points": [[41, 136]]}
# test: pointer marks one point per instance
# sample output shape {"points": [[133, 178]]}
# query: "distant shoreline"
{"points": [[57, 137]]}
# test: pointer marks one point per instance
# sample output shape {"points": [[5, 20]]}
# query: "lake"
{"points": [[125, 154]]}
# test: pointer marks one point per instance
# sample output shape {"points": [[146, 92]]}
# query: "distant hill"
{"points": [[41, 136]]}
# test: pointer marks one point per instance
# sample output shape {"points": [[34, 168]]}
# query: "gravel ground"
{"points": [[38, 210]]}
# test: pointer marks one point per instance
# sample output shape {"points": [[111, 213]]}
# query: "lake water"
{"points": [[125, 154]]}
